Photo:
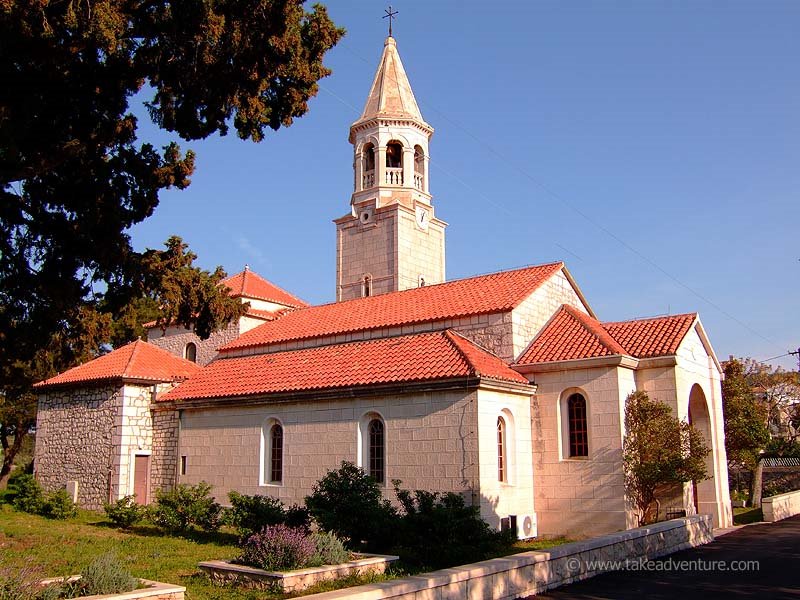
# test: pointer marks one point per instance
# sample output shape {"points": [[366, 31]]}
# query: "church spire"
{"points": [[391, 95]]}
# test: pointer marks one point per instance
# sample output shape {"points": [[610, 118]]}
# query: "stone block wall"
{"points": [[363, 249], [164, 461], [431, 442], [174, 341], [419, 252], [530, 573], [533, 313], [76, 429], [579, 496], [781, 506]]}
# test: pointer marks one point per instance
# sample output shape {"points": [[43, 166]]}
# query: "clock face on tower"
{"points": [[423, 217]]}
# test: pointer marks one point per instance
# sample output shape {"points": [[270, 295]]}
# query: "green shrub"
{"points": [[125, 513], [278, 548], [348, 502], [58, 505], [26, 494], [439, 530], [330, 550], [106, 575], [186, 506], [298, 516], [250, 514]]}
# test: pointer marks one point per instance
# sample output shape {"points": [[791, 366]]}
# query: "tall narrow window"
{"points": [[502, 467], [276, 453], [377, 454], [366, 286], [578, 430], [190, 352]]}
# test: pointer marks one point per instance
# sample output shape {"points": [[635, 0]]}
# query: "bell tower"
{"points": [[390, 240]]}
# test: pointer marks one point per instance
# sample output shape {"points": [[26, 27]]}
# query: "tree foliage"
{"points": [[778, 391], [658, 450], [746, 432], [74, 178]]}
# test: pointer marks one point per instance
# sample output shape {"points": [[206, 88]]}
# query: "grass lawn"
{"points": [[60, 548], [743, 516]]}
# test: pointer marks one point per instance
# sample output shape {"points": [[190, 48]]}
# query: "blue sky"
{"points": [[652, 146]]}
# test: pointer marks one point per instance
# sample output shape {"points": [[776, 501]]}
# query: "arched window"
{"points": [[190, 352], [376, 451], [578, 426], [368, 154], [271, 453], [502, 451], [366, 286], [394, 155], [276, 453], [419, 167]]}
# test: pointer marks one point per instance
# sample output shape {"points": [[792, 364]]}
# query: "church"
{"points": [[506, 388]]}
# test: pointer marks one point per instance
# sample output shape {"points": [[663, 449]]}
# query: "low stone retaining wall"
{"points": [[153, 590], [534, 572], [222, 572], [781, 506]]}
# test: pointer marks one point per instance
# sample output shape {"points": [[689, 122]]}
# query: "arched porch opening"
{"points": [[704, 496]]}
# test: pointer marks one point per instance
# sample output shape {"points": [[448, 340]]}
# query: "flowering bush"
{"points": [[278, 548]]}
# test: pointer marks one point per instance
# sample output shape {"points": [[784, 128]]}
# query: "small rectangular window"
{"points": [[183, 465]]}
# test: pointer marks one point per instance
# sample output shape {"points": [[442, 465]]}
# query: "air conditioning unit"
{"points": [[526, 526]]}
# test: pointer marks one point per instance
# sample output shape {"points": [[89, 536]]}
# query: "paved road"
{"points": [[776, 547]]}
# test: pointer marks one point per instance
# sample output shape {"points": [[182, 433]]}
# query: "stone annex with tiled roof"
{"points": [[505, 388]]}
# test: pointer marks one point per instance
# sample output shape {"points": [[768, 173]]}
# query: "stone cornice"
{"points": [[387, 121], [617, 360]]}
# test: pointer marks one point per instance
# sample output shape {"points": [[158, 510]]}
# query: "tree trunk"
{"points": [[755, 487], [9, 454]]}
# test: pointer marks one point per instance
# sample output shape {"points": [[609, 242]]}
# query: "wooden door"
{"points": [[141, 478]]}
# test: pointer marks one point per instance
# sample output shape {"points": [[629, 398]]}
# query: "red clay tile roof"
{"points": [[570, 334], [417, 357], [265, 315], [251, 285], [135, 361], [486, 294], [657, 336]]}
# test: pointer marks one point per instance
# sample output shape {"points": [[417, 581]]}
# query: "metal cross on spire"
{"points": [[390, 15]]}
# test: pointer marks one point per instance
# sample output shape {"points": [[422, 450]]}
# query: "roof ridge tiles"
{"points": [[595, 328], [654, 318], [134, 352], [501, 291], [450, 334]]}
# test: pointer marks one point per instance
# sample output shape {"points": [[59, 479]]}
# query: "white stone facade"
{"points": [[435, 440]]}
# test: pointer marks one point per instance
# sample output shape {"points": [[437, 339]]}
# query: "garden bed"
{"points": [[152, 590], [224, 572]]}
